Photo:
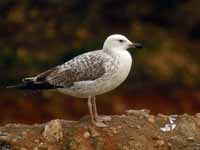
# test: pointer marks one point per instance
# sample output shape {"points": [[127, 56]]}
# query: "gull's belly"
{"points": [[114, 76]]}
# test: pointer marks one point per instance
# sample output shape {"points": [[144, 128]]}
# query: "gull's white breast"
{"points": [[125, 63], [117, 69]]}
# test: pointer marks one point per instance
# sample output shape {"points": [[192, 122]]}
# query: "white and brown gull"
{"points": [[89, 74]]}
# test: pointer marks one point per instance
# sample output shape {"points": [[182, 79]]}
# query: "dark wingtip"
{"points": [[9, 87], [18, 86]]}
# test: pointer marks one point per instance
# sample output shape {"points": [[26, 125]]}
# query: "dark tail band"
{"points": [[34, 86], [18, 86]]}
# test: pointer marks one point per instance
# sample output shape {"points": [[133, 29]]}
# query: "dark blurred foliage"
{"points": [[36, 35]]}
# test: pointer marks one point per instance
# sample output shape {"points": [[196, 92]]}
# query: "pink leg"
{"points": [[94, 121], [96, 116]]}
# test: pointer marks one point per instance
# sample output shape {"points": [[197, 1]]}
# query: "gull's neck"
{"points": [[115, 51]]}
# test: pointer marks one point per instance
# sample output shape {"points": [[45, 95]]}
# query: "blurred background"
{"points": [[36, 35]]}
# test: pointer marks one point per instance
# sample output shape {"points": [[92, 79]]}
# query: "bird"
{"points": [[88, 75]]}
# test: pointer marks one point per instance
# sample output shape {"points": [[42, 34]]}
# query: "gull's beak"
{"points": [[135, 45]]}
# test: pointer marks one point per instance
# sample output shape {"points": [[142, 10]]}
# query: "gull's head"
{"points": [[119, 42]]}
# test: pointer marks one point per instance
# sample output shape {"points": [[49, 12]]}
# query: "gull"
{"points": [[89, 74]]}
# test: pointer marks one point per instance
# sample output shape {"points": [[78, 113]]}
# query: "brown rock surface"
{"points": [[136, 130]]}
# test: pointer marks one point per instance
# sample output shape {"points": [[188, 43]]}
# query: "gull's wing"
{"points": [[88, 66]]}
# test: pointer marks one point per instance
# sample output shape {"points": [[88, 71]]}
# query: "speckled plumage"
{"points": [[89, 74], [83, 75], [89, 66], [94, 76]]}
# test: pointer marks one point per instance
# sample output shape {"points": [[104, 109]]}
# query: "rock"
{"points": [[2, 133], [191, 139], [114, 130], [138, 126], [86, 135], [36, 141], [151, 119], [155, 137], [141, 113], [165, 117], [53, 131], [160, 143], [5, 145], [129, 133], [197, 115], [93, 132]]}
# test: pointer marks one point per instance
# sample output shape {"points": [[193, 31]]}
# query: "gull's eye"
{"points": [[121, 41]]}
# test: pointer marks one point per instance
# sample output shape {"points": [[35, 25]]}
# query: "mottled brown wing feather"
{"points": [[82, 68], [42, 76]]}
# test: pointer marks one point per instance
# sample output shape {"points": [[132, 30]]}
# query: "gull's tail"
{"points": [[32, 84], [17, 86]]}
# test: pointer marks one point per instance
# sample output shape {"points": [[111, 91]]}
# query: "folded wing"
{"points": [[89, 66]]}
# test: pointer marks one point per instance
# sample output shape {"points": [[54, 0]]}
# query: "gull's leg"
{"points": [[95, 122], [90, 109], [95, 107], [96, 116]]}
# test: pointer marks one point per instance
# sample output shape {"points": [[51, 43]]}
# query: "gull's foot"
{"points": [[100, 124], [103, 118]]}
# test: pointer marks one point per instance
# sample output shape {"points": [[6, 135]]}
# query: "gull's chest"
{"points": [[124, 66], [116, 72], [119, 69]]}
